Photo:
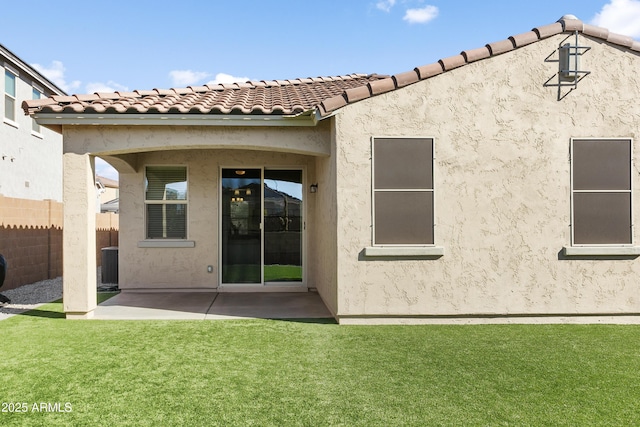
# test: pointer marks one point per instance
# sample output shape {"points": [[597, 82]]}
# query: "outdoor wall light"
{"points": [[313, 188]]}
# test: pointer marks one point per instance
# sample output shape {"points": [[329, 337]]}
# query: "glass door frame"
{"points": [[264, 285]]}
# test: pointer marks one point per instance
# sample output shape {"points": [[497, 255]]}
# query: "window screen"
{"points": [[403, 191], [601, 191]]}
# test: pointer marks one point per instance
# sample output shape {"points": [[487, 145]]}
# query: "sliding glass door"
{"points": [[241, 226], [283, 226], [262, 225]]}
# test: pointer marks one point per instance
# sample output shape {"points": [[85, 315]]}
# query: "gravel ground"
{"points": [[28, 297]]}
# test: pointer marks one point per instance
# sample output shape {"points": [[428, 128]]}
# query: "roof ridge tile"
{"points": [[569, 24], [381, 86], [524, 39], [592, 30], [357, 93], [452, 62], [128, 94], [548, 30], [476, 54], [429, 70], [620, 39], [107, 95], [502, 46], [406, 78]]}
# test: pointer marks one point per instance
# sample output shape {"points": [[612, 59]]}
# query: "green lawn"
{"points": [[281, 373]]}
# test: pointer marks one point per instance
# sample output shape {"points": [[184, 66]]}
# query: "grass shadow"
{"points": [[54, 310], [310, 320]]}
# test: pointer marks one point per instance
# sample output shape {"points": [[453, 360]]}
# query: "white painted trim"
{"points": [[404, 251], [11, 69], [601, 250], [11, 123], [179, 119], [161, 243]]}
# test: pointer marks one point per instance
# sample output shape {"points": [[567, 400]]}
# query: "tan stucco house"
{"points": [[497, 185]]}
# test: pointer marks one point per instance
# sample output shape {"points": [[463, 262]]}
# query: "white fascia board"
{"points": [[14, 63], [173, 120]]}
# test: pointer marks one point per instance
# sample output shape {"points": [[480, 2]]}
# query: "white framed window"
{"points": [[166, 202], [403, 191], [35, 94], [601, 192], [10, 95]]}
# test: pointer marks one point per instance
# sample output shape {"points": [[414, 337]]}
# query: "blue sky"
{"points": [[88, 46]]}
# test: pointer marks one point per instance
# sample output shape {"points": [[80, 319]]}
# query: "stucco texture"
{"points": [[502, 189]]}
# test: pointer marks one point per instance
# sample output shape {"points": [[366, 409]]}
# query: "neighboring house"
{"points": [[496, 185], [30, 178], [107, 193]]}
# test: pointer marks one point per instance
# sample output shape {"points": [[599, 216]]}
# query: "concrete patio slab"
{"points": [[265, 305], [212, 306], [155, 306]]}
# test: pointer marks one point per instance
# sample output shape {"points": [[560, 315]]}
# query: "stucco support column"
{"points": [[79, 236]]}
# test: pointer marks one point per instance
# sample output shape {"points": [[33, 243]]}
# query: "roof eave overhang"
{"points": [[307, 118]]}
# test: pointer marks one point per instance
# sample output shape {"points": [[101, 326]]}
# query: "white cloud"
{"points": [[104, 169], [187, 77], [55, 73], [620, 16], [385, 5], [109, 86], [227, 78], [422, 15]]}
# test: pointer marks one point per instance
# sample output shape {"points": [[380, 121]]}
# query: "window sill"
{"points": [[601, 250], [11, 123], [37, 134], [166, 243], [404, 251]]}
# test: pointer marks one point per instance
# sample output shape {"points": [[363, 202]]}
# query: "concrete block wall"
{"points": [[31, 239], [107, 226]]}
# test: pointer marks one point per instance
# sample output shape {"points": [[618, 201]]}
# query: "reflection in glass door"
{"points": [[262, 226], [241, 226], [283, 226]]}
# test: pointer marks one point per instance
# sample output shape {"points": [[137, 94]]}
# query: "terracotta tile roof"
{"points": [[287, 97], [290, 97]]}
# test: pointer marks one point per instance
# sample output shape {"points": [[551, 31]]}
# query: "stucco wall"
{"points": [[324, 264], [30, 163], [502, 188], [186, 268], [132, 139]]}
